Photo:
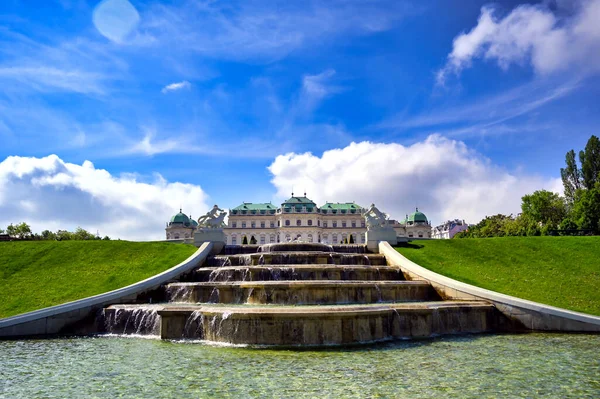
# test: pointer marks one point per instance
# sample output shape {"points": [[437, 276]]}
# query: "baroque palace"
{"points": [[298, 218]]}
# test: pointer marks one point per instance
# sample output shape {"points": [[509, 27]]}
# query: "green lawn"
{"points": [[38, 274], [558, 271]]}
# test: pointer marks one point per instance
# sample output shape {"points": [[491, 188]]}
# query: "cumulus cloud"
{"points": [[533, 34], [176, 86], [49, 193], [443, 177]]}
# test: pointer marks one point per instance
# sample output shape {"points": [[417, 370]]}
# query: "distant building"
{"points": [[181, 227], [298, 218], [449, 229]]}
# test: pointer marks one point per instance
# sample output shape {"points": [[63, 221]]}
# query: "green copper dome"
{"points": [[417, 217], [181, 218]]}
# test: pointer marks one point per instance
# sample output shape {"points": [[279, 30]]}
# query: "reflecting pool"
{"points": [[528, 365]]}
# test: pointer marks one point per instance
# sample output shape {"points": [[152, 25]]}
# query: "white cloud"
{"points": [[443, 177], [549, 41], [49, 193], [176, 86], [48, 78]]}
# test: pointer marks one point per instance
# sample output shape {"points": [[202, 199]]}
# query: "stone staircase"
{"points": [[298, 294]]}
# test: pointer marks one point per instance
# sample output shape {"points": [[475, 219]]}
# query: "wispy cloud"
{"points": [[176, 86], [48, 78], [481, 115], [259, 30]]}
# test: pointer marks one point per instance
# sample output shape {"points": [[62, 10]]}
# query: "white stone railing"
{"points": [[53, 320], [531, 315]]}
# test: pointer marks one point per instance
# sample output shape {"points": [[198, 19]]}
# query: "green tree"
{"points": [[21, 230], [543, 207], [82, 234], [351, 240], [571, 177], [48, 235], [64, 235], [590, 163], [245, 241], [586, 209]]}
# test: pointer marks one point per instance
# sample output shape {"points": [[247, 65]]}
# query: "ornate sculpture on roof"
{"points": [[213, 219], [375, 219]]}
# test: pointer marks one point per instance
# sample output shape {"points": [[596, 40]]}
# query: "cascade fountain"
{"points": [[298, 294]]}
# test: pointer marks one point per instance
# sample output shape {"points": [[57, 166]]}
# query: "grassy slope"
{"points": [[35, 275], [559, 271]]}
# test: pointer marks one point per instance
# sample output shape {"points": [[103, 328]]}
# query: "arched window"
{"points": [[233, 239], [309, 222], [334, 239], [362, 238], [287, 222], [263, 239], [168, 236], [298, 222], [310, 238], [272, 238], [325, 239], [288, 238], [176, 236]]}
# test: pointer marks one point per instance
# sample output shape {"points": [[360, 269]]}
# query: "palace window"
{"points": [[263, 239], [310, 238], [334, 239], [177, 236], [310, 224], [287, 222], [288, 238], [353, 223], [325, 238], [319, 223], [262, 225], [234, 224], [278, 223], [253, 225], [272, 238], [233, 240], [362, 238], [273, 224], [354, 239], [362, 223], [334, 224], [243, 225], [298, 222], [344, 224], [324, 223]]}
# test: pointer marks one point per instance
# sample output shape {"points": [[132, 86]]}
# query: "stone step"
{"points": [[309, 325], [300, 292], [296, 258], [296, 272]]}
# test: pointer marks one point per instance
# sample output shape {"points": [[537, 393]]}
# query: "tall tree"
{"points": [[590, 163], [571, 177]]}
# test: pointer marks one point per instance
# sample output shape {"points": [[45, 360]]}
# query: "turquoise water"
{"points": [[487, 366]]}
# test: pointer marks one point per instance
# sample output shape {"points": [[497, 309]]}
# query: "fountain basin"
{"points": [[301, 292], [325, 325], [297, 272]]}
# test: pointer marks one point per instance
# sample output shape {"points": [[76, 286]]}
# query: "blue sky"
{"points": [[190, 103]]}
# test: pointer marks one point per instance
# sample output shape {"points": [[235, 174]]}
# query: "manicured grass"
{"points": [[38, 274], [558, 271]]}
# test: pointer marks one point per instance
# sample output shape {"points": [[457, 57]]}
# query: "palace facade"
{"points": [[299, 218]]}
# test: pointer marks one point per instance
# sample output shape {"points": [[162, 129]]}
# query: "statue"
{"points": [[213, 218], [375, 219]]}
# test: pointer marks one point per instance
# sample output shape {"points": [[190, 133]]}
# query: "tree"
{"points": [[543, 207], [245, 241], [571, 177], [63, 235], [81, 234], [351, 240], [2, 231], [590, 163], [48, 235], [21, 230], [586, 209]]}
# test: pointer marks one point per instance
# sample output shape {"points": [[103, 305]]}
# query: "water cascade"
{"points": [[290, 294]]}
